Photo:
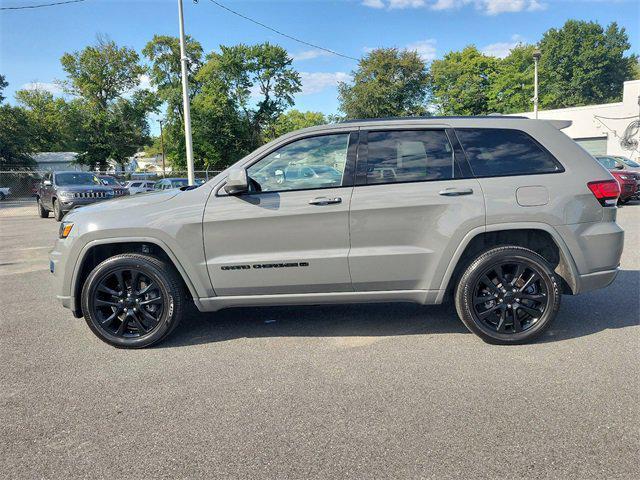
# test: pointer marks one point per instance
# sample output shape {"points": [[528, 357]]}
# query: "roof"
{"points": [[491, 116], [55, 157]]}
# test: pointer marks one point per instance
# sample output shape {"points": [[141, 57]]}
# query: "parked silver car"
{"points": [[500, 214]]}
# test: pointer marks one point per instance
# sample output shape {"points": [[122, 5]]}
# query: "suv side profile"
{"points": [[501, 214], [62, 191]]}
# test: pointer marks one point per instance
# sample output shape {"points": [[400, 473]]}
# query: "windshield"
{"points": [[110, 181], [607, 162], [179, 183], [79, 178], [628, 162]]}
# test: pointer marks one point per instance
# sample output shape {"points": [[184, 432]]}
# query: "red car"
{"points": [[628, 182]]}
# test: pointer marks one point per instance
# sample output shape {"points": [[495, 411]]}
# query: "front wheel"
{"points": [[132, 300], [42, 212], [57, 211], [508, 295]]}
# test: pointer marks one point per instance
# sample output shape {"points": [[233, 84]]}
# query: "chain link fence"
{"points": [[19, 189]]}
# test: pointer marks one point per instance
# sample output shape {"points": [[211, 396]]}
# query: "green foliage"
{"points": [[583, 63], [511, 85], [387, 83], [16, 139], [461, 81], [3, 85], [295, 120]]}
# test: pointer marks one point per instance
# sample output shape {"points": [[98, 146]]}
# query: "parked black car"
{"points": [[62, 191]]}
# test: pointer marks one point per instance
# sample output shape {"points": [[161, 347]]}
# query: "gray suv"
{"points": [[502, 215], [62, 191]]}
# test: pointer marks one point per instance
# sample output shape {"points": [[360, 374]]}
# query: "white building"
{"points": [[599, 128]]}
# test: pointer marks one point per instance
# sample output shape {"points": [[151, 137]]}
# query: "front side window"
{"points": [[409, 156], [309, 163], [497, 152]]}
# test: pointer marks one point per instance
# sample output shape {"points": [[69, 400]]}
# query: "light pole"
{"points": [[185, 98], [162, 145], [536, 57]]}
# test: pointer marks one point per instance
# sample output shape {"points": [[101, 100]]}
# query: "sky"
{"points": [[32, 41]]}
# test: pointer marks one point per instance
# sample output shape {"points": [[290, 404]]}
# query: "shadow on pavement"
{"points": [[617, 306]]}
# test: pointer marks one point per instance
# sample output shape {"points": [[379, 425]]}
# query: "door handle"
{"points": [[325, 201], [455, 192]]}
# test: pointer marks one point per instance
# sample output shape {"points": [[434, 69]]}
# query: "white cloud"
{"points": [[502, 49], [373, 3], [50, 87], [425, 48], [309, 54], [315, 82], [145, 83], [489, 7]]}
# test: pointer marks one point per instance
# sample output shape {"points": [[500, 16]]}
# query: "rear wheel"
{"points": [[57, 211], [508, 295], [132, 300], [2, 196], [42, 212]]}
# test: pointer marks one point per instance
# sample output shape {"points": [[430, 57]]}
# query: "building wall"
{"points": [[606, 121]]}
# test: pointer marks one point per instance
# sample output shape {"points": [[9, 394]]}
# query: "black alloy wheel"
{"points": [[508, 295], [132, 300]]}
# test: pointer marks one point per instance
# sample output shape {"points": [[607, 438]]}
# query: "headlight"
{"points": [[65, 229], [65, 195]]}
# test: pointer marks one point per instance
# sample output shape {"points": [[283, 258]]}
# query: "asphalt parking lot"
{"points": [[362, 391]]}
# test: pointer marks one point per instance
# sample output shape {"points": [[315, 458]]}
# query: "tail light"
{"points": [[606, 191]]}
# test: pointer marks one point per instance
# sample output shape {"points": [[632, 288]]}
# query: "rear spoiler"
{"points": [[560, 124]]}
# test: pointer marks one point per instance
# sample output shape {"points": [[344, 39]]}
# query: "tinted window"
{"points": [[309, 163], [409, 156], [80, 178], [136, 184], [495, 152], [607, 162]]}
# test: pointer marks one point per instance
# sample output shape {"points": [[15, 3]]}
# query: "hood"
{"points": [[128, 203]]}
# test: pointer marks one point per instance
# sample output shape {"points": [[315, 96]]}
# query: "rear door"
{"points": [[289, 233], [413, 203]]}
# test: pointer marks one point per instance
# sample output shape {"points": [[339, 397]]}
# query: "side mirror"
{"points": [[237, 181], [619, 167], [46, 183]]}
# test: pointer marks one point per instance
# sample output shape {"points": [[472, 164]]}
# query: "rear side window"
{"points": [[409, 156], [496, 152]]}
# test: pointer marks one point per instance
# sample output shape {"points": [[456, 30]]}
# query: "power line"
{"points": [[333, 52], [25, 7]]}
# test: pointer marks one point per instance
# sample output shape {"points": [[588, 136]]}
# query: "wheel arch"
{"points": [[99, 250], [541, 238]]}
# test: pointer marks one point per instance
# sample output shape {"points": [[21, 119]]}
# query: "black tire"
{"points": [[57, 211], [42, 212], [504, 305], [2, 197], [128, 327]]}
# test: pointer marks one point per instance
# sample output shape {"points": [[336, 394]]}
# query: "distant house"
{"points": [[57, 161]]}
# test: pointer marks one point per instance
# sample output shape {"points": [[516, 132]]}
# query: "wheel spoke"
{"points": [[531, 311], [111, 317], [151, 301], [148, 316], [535, 298], [518, 274], [106, 303], [135, 277], [139, 324], [123, 325], [483, 299], [517, 326], [488, 312], [532, 279], [104, 289], [501, 322], [146, 289], [500, 276], [120, 278], [489, 283]]}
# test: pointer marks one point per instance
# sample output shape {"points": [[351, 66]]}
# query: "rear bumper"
{"points": [[594, 281]]}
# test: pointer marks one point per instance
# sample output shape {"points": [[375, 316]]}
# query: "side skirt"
{"points": [[423, 297]]}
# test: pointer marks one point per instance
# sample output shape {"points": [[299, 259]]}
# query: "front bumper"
{"points": [[67, 205]]}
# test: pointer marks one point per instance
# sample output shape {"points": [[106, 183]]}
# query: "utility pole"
{"points": [[536, 57], [162, 145], [185, 98]]}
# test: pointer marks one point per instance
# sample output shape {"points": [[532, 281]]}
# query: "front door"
{"points": [[412, 205], [290, 233]]}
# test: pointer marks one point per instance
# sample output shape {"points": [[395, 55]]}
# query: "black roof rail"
{"points": [[443, 117]]}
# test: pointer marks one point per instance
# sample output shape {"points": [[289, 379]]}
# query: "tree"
{"points": [[387, 83], [295, 120], [258, 79], [16, 143], [511, 85], [461, 81], [51, 120], [163, 52], [102, 73], [111, 113], [583, 63], [3, 85]]}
